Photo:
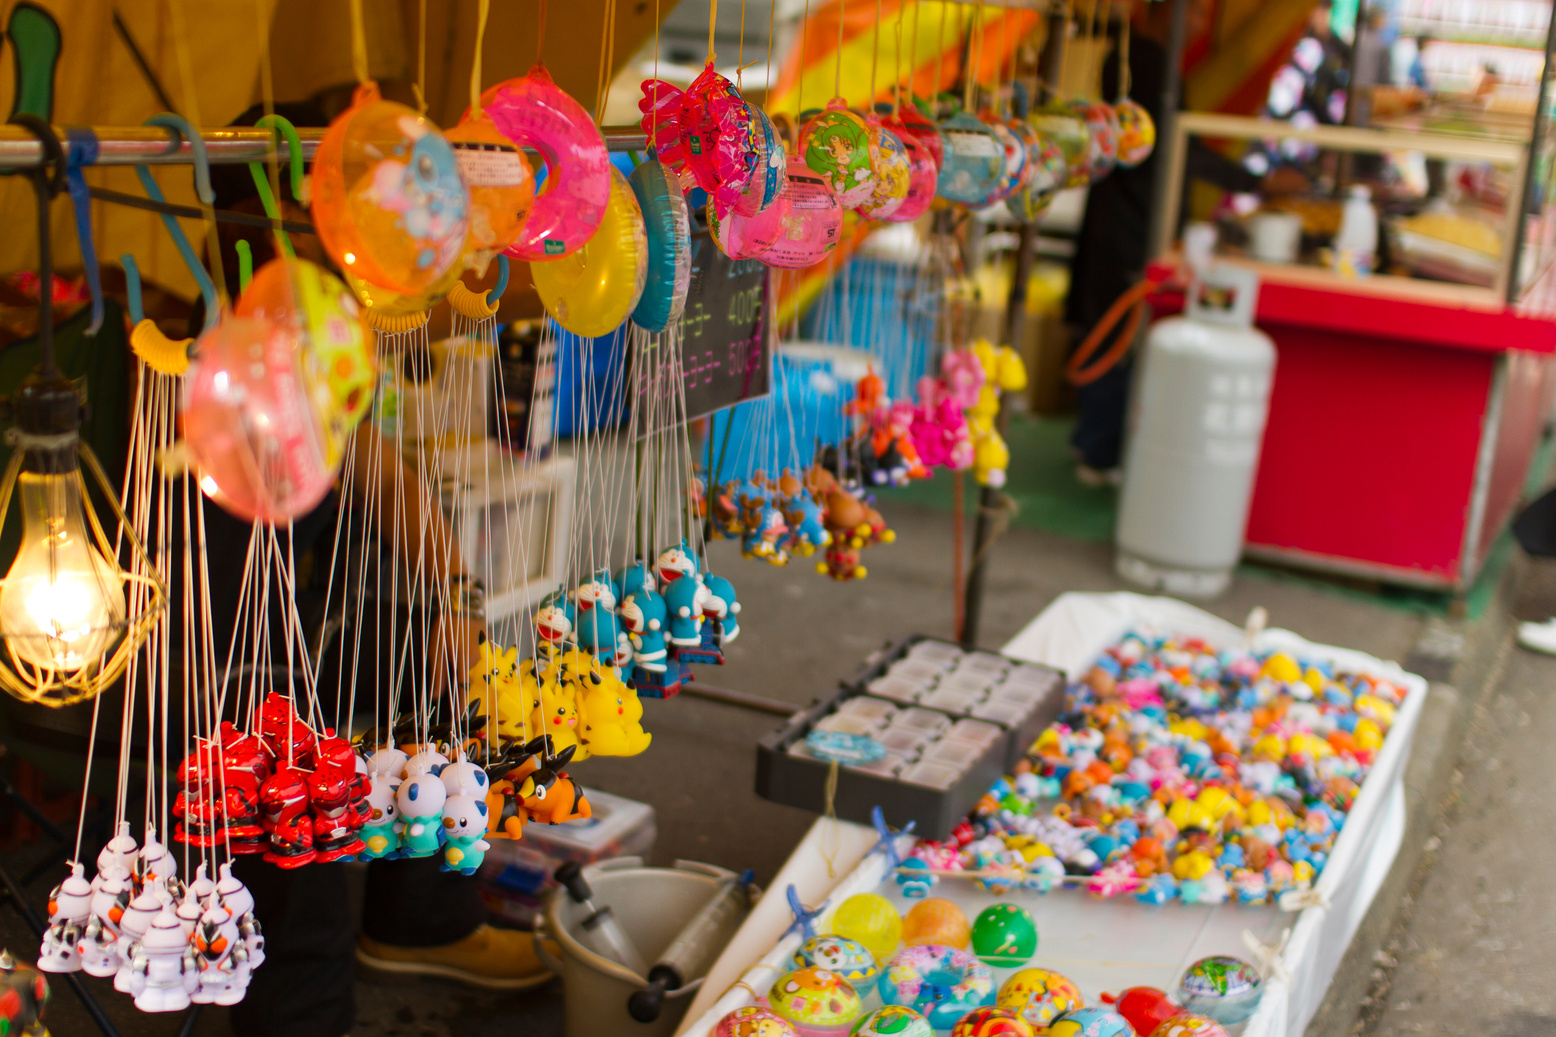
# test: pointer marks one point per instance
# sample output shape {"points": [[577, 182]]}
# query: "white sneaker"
{"points": [[1538, 637]]}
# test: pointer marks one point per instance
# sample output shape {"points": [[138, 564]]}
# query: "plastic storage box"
{"points": [[951, 721], [516, 875]]}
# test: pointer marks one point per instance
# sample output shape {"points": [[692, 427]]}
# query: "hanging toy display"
{"points": [[923, 164], [533, 112], [836, 146], [1017, 168], [388, 201], [974, 164], [1058, 122], [501, 183], [250, 425], [1136, 132], [798, 230], [768, 160], [335, 358], [1102, 147], [704, 135], [1046, 169], [1003, 371], [890, 168], [591, 290], [668, 263]]}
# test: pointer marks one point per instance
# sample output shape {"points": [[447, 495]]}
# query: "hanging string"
{"points": [[540, 33], [483, 8], [896, 105], [1125, 79], [772, 22], [974, 57], [421, 56], [875, 56], [799, 97], [192, 107], [607, 61], [999, 65], [837, 81], [740, 53], [267, 96], [713, 21], [1057, 74], [358, 43], [945, 7]]}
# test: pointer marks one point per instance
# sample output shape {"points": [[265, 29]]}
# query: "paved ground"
{"points": [[1475, 953], [801, 633]]}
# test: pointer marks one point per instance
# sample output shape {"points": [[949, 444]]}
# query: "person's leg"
{"points": [[417, 920], [304, 987], [1098, 435]]}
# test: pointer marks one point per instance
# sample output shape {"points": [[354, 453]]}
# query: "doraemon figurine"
{"points": [[420, 799], [554, 620], [464, 825], [672, 564], [596, 626], [683, 602], [70, 906], [644, 615], [635, 577], [722, 605], [765, 532]]}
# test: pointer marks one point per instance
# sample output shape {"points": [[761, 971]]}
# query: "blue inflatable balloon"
{"points": [[669, 247]]}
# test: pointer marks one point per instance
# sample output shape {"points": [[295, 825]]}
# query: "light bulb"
{"points": [[62, 604]]}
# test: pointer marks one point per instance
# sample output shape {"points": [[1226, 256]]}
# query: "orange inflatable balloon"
{"points": [[388, 201], [501, 183]]}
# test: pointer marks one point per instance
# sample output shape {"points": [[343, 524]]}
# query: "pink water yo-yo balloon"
{"points": [[533, 112], [250, 424]]}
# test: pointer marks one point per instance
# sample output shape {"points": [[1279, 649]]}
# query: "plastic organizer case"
{"points": [[951, 721]]}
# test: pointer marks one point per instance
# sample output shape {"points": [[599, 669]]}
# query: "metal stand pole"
{"points": [[988, 498], [1162, 235]]}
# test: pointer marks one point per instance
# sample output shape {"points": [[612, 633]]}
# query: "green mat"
{"points": [[1041, 482]]}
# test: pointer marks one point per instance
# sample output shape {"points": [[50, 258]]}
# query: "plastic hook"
{"points": [[202, 172]]}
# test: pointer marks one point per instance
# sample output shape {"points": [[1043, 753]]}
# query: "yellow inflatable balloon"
{"points": [[591, 292], [378, 301]]}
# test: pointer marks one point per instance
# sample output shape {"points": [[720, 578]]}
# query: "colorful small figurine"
{"points": [[644, 617], [163, 972], [464, 828], [24, 996], [70, 907], [420, 799]]}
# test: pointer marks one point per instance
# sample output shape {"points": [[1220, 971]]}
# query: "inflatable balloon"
{"points": [[533, 112], [749, 237], [669, 265], [910, 120], [250, 425], [1015, 171], [1046, 174], [388, 201], [1136, 133], [382, 302], [501, 183], [1058, 123], [974, 165], [319, 311], [702, 133], [805, 223], [769, 162], [891, 169], [836, 144], [592, 290], [1102, 154]]}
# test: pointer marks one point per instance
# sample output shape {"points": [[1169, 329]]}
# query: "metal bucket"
{"points": [[651, 905]]}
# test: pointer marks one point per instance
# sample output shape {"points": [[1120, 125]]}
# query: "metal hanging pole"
{"points": [[154, 146]]}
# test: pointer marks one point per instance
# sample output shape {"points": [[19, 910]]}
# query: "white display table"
{"points": [[1112, 944]]}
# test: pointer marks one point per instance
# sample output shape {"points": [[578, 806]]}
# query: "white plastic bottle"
{"points": [[1356, 246]]}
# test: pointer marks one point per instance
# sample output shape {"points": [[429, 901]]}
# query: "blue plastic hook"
{"points": [[502, 280], [886, 839], [132, 288], [804, 918], [181, 128]]}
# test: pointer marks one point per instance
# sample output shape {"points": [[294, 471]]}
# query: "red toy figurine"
{"points": [[284, 799]]}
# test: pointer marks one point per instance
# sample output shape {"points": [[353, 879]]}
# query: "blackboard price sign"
{"points": [[725, 356]]}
